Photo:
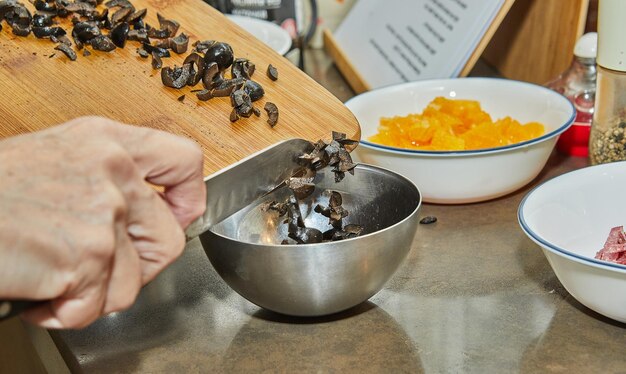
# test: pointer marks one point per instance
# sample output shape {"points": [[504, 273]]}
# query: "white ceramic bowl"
{"points": [[269, 33], [570, 217], [452, 177]]}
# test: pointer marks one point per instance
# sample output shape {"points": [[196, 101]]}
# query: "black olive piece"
{"points": [[0, 27], [20, 16], [220, 53], [242, 68], [158, 34], [306, 235], [175, 77], [119, 3], [20, 30], [272, 113], [226, 87], [254, 89], [45, 6], [256, 111], [42, 20], [83, 9], [142, 53], [181, 98], [138, 36], [301, 183], [120, 15], [102, 43], [238, 97], [210, 71], [203, 46], [137, 16], [67, 50], [272, 72], [157, 63], [428, 220], [234, 116], [119, 34], [139, 25], [6, 6], [162, 52], [168, 24], [63, 39], [83, 32], [162, 44], [204, 95], [101, 18], [196, 70], [180, 43], [86, 52], [47, 32]]}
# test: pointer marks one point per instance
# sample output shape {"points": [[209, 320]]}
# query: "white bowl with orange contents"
{"points": [[464, 176]]}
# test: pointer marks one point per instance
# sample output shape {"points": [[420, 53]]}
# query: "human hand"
{"points": [[79, 225]]}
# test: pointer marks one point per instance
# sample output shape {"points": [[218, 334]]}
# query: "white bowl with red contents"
{"points": [[570, 218], [454, 177]]}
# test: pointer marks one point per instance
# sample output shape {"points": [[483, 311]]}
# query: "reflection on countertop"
{"points": [[474, 295]]}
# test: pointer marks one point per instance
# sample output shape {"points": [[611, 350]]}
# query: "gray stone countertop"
{"points": [[475, 295]]}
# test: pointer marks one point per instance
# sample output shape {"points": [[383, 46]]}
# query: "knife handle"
{"points": [[11, 308]]}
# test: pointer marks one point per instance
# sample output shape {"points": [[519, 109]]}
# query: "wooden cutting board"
{"points": [[41, 87]]}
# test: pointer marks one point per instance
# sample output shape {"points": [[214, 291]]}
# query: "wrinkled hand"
{"points": [[80, 226]]}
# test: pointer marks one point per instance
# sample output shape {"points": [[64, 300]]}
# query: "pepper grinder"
{"points": [[607, 141]]}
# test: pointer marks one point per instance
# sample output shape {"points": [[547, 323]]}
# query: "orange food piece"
{"points": [[451, 125]]}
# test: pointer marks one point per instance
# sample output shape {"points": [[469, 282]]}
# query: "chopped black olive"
{"points": [[102, 43], [42, 20], [179, 44], [21, 30], [234, 116], [137, 15], [63, 39], [175, 77], [168, 24], [227, 86], [86, 52], [272, 113], [210, 72], [142, 52], [428, 220], [242, 68], [83, 9], [45, 6], [139, 36], [203, 46], [119, 3], [181, 98], [220, 53], [157, 63], [121, 15], [204, 95], [83, 32], [256, 111], [197, 68], [161, 52], [254, 89], [69, 52], [301, 183], [272, 72], [47, 32], [119, 34]]}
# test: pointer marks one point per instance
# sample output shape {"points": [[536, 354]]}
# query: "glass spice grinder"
{"points": [[607, 141]]}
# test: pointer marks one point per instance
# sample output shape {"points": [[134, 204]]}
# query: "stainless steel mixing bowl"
{"points": [[324, 278]]}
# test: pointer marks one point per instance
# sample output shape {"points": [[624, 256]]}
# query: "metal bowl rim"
{"points": [[324, 244]]}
